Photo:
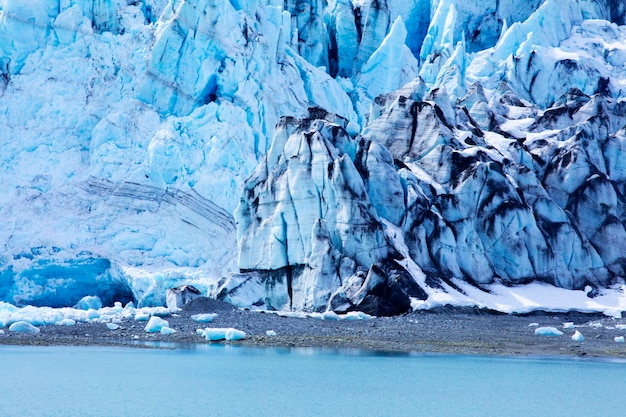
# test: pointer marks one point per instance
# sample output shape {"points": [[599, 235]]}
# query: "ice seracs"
{"points": [[458, 147]]}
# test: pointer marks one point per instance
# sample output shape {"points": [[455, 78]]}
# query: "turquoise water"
{"points": [[230, 381]]}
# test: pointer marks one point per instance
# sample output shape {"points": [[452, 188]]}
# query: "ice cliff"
{"points": [[307, 154]]}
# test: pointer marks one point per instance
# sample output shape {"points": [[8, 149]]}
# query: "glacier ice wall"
{"points": [[129, 129]]}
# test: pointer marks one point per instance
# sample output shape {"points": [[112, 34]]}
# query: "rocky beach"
{"points": [[442, 330]]}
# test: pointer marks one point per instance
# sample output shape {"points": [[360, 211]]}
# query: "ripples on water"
{"points": [[231, 381]]}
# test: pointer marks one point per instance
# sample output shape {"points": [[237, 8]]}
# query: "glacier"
{"points": [[309, 155]]}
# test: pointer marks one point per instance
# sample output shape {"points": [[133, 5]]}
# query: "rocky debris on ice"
{"points": [[307, 240]]}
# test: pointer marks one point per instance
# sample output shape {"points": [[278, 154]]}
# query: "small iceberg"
{"points": [[548, 331], [23, 327], [167, 330], [155, 324], [222, 334], [619, 339], [89, 302], [578, 337], [204, 318], [330, 315]]}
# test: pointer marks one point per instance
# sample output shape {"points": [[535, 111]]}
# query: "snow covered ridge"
{"points": [[129, 129]]}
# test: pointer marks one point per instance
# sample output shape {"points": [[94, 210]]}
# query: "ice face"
{"points": [[491, 135]]}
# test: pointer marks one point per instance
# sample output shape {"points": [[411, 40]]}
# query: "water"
{"points": [[228, 381]]}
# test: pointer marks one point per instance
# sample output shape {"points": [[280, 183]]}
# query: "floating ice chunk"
{"points": [[167, 330], [204, 318], [23, 327], [621, 327], [533, 325], [89, 302], [619, 339], [578, 337], [568, 325], [548, 331], [142, 316], [223, 334], [1, 331], [67, 322], [596, 325], [155, 324], [130, 306], [113, 326], [270, 333]]}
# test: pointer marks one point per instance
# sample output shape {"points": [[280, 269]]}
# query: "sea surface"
{"points": [[233, 381]]}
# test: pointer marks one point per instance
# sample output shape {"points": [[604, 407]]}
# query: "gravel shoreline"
{"points": [[443, 330]]}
